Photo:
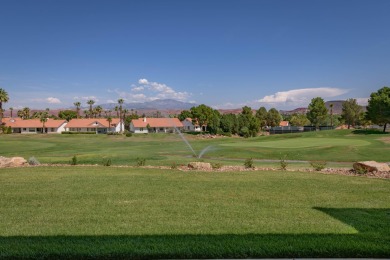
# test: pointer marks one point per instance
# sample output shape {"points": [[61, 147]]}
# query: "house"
{"points": [[97, 125], [284, 123], [190, 127], [155, 125], [35, 126]]}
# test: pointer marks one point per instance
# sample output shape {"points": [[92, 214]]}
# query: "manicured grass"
{"points": [[166, 149], [116, 212]]}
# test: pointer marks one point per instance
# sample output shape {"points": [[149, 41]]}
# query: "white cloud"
{"points": [[135, 89], [302, 96], [53, 100], [86, 98], [143, 81]]}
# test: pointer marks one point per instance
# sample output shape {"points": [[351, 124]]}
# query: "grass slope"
{"points": [[105, 212], [166, 149]]}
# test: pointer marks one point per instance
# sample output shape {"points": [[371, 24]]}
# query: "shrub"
{"points": [[249, 163], [78, 133], [73, 161], [113, 133], [318, 165], [173, 166], [359, 169], [216, 166], [129, 134], [141, 161], [283, 162], [9, 130], [33, 161], [106, 161]]}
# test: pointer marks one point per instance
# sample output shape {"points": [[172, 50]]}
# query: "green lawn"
{"points": [[111, 212], [166, 149]]}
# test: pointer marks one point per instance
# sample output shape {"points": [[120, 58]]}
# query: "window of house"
{"points": [[141, 129], [52, 130]]}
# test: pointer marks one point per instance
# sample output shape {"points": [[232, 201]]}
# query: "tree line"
{"points": [[247, 123]]}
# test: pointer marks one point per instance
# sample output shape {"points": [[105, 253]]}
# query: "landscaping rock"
{"points": [[372, 166], [12, 162], [199, 166]]}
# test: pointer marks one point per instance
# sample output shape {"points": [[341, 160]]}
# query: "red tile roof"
{"points": [[157, 122], [32, 123], [284, 123], [91, 122]]}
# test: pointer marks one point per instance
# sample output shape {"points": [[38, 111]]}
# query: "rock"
{"points": [[372, 166], [199, 166], [12, 162]]}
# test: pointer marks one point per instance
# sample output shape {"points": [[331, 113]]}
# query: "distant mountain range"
{"points": [[337, 108], [158, 104]]}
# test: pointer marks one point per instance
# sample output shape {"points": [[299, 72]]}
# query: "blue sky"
{"points": [[222, 53]]}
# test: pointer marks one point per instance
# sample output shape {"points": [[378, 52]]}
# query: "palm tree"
{"points": [[26, 113], [20, 114], [3, 98], [77, 104], [109, 119], [43, 120], [11, 109], [117, 111], [90, 103], [120, 102], [99, 110]]}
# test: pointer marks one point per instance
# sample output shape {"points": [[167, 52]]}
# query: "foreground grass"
{"points": [[144, 213]]}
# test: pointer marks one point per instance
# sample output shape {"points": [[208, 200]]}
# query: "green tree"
{"points": [[11, 109], [249, 125], [90, 103], [77, 104], [318, 112], [214, 123], [26, 113], [261, 116], [67, 115], [109, 120], [378, 109], [3, 99], [120, 102], [350, 112], [202, 114], [229, 123], [273, 117], [299, 120], [184, 114], [43, 119], [99, 110], [331, 114]]}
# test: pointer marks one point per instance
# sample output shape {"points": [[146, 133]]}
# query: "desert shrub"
{"points": [[359, 169], [73, 161], [249, 163], [216, 166], [318, 165], [283, 162], [174, 165], [33, 161], [140, 161], [106, 161]]}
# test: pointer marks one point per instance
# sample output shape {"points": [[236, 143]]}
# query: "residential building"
{"points": [[35, 126], [155, 125]]}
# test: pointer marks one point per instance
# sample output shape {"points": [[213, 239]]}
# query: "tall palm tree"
{"points": [[117, 111], [90, 103], [109, 119], [43, 120], [11, 109], [26, 113], [77, 104], [99, 110], [120, 102], [20, 114], [3, 98]]}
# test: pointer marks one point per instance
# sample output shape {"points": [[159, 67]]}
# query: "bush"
{"points": [[33, 161], [73, 161], [129, 134], [141, 161], [359, 169], [249, 163], [216, 166], [173, 166], [283, 163], [113, 133], [318, 165], [77, 133], [106, 161], [9, 130]]}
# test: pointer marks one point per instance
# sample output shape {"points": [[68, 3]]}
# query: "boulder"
{"points": [[12, 162], [199, 166], [372, 166]]}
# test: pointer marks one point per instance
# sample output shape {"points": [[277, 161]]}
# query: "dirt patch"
{"points": [[386, 139]]}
